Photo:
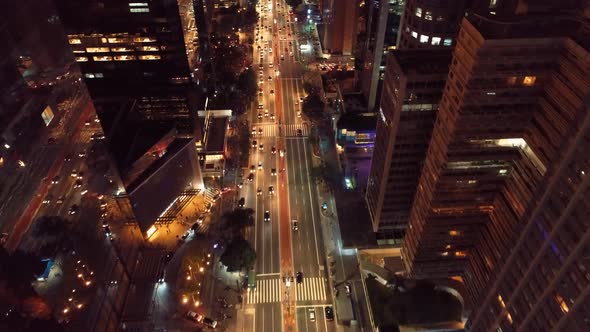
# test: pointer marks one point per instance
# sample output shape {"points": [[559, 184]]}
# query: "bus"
{"points": [[252, 279]]}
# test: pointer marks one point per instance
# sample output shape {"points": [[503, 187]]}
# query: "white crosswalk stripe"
{"points": [[266, 291], [273, 130], [311, 289], [291, 130]]}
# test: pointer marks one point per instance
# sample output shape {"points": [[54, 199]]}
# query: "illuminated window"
{"points": [[562, 304], [454, 233], [144, 39], [529, 80], [78, 51], [509, 318], [138, 4], [511, 80], [460, 253], [502, 171], [428, 15], [493, 4], [149, 48], [444, 253], [98, 75], [149, 57], [448, 42], [414, 34], [124, 57], [435, 41], [122, 49], [96, 49], [104, 40], [139, 10], [89, 75], [82, 59], [102, 58], [424, 39], [75, 41], [419, 12], [118, 40]]}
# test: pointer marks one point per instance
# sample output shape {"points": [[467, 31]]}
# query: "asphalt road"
{"points": [[281, 250]]}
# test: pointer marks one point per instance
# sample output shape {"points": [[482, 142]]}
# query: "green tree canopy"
{"points": [[238, 255], [237, 219], [313, 107]]}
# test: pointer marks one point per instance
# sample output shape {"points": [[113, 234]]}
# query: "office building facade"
{"points": [[430, 23], [339, 26], [413, 86], [383, 23], [136, 50], [504, 170]]}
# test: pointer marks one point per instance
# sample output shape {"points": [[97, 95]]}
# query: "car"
{"points": [[250, 177], [299, 277], [60, 200], [195, 317], [266, 113], [253, 130], [47, 199], [259, 192], [240, 185], [260, 106], [259, 116], [259, 131], [273, 150], [272, 116], [107, 231], [68, 157], [74, 173], [311, 314], [252, 169], [261, 147], [270, 78], [299, 114], [209, 322], [271, 190], [102, 203], [273, 171], [80, 176], [55, 180], [266, 216], [254, 144], [78, 184], [260, 165], [282, 153], [241, 202], [82, 153], [329, 313], [272, 92], [74, 209], [270, 65], [299, 132], [347, 288], [84, 192]]}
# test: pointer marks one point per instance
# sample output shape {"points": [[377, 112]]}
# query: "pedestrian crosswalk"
{"points": [[266, 291], [311, 289], [274, 130], [270, 290]]}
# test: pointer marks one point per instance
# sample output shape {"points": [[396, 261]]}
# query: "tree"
{"points": [[248, 18], [237, 219], [247, 83], [238, 255], [293, 3], [313, 107]]}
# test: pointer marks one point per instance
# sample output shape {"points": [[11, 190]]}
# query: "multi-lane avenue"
{"points": [[287, 234]]}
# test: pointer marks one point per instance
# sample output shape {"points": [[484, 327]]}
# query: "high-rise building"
{"points": [[339, 26], [500, 202], [412, 89], [383, 23], [137, 50], [430, 23]]}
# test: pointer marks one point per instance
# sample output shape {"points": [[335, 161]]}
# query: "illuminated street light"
{"points": [[201, 269], [184, 299], [65, 311]]}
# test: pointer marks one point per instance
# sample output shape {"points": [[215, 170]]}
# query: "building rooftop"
{"points": [[216, 134], [422, 61], [358, 122]]}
